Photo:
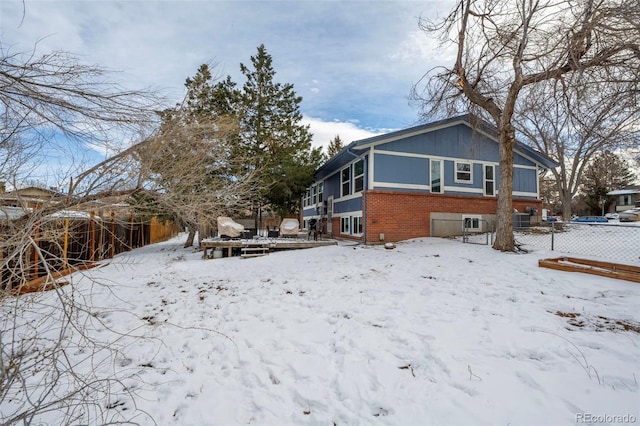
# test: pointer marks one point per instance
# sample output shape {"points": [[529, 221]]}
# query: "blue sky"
{"points": [[353, 62]]}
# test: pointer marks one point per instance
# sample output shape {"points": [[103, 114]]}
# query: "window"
{"points": [[489, 181], [436, 176], [307, 199], [358, 176], [314, 195], [345, 179], [463, 172], [471, 223], [320, 190], [344, 225], [357, 225]]}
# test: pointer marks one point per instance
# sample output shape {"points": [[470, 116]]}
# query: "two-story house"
{"points": [[395, 186]]}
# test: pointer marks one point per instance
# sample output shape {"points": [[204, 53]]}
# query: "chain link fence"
{"points": [[609, 241], [615, 242], [469, 230]]}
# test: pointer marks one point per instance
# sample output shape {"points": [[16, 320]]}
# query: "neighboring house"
{"points": [[626, 198], [31, 197], [422, 181]]}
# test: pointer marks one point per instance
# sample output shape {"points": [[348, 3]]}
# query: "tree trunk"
{"points": [[566, 198], [504, 220], [190, 237]]}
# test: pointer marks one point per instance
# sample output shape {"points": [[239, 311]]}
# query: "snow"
{"points": [[431, 332]]}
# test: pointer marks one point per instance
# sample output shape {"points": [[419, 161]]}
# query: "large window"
{"points": [[358, 176], [357, 225], [320, 192], [436, 176], [345, 180], [489, 180], [463, 172], [344, 225]]}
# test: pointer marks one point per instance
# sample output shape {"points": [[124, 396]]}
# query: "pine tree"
{"points": [[335, 145], [272, 135], [605, 173]]}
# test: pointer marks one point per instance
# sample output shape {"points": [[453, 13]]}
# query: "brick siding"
{"points": [[404, 215]]}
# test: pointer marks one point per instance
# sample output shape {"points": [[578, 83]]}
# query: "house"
{"points": [[427, 180], [626, 198], [31, 197]]}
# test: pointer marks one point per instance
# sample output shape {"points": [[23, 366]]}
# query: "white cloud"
{"points": [[325, 131]]}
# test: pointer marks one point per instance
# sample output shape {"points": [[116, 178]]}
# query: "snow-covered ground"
{"points": [[433, 332]]}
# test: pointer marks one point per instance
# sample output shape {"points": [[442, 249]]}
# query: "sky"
{"points": [[428, 333], [353, 62]]}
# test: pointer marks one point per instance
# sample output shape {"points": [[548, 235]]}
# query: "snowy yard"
{"points": [[432, 332]]}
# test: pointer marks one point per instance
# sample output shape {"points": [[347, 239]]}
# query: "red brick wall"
{"points": [[404, 215]]}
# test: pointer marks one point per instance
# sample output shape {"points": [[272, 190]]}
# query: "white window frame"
{"points": [[359, 177], [357, 226], [485, 180], [307, 198], [314, 195], [345, 225], [475, 220], [431, 163], [343, 181], [456, 171], [320, 192]]}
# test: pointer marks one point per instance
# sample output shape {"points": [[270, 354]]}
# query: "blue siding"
{"points": [[448, 173], [395, 169], [352, 205], [478, 177], [455, 142], [521, 161], [524, 180], [332, 186]]}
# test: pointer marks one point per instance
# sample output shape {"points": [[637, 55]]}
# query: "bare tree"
{"points": [[55, 101], [190, 170], [573, 126], [503, 46]]}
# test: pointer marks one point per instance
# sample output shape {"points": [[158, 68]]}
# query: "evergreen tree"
{"points": [[605, 173], [271, 134], [335, 145]]}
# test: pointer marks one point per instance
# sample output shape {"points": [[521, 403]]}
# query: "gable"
{"points": [[455, 142]]}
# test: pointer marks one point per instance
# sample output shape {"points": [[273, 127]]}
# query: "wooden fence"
{"points": [[61, 244]]}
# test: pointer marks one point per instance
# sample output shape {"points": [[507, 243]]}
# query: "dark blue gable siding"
{"points": [[332, 186], [453, 142], [395, 169], [524, 180], [351, 205]]}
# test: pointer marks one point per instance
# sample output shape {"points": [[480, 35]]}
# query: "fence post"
{"points": [[65, 245], [112, 238], [92, 237], [553, 233], [101, 243], [131, 233]]}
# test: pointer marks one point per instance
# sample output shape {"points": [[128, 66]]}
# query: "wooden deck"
{"points": [[252, 247]]}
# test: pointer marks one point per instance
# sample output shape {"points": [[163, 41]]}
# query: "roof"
{"points": [[356, 148], [634, 189], [11, 213]]}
